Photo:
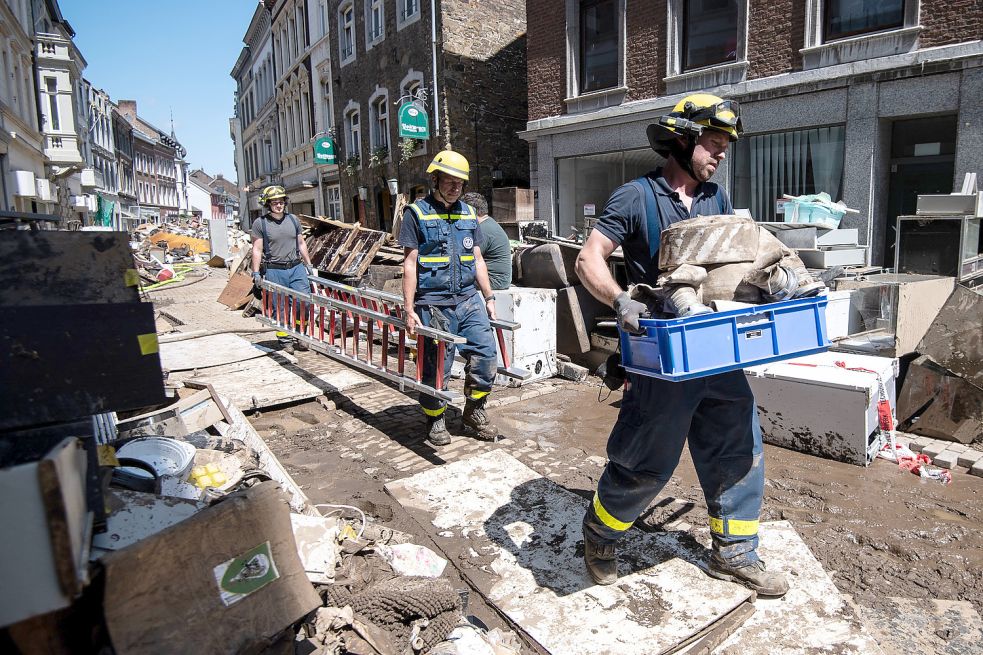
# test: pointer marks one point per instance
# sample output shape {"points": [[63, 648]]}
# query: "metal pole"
{"points": [[433, 55]]}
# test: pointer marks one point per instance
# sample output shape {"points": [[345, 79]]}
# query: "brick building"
{"points": [[347, 72], [872, 102], [158, 165]]}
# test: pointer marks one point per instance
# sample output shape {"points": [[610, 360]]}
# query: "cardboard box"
{"points": [[512, 204], [812, 405], [226, 580]]}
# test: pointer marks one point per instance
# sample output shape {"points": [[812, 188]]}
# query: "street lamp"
{"points": [[393, 186]]}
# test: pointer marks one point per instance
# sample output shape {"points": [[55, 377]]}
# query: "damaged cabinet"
{"points": [[532, 346]]}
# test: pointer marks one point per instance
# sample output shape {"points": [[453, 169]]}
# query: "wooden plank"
{"points": [[190, 560], [516, 537], [259, 383], [212, 350], [61, 362], [66, 268], [238, 292]]}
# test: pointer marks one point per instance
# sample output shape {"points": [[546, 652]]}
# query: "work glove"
{"points": [[257, 278], [629, 311]]}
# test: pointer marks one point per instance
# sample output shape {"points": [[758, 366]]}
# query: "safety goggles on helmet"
{"points": [[724, 114]]}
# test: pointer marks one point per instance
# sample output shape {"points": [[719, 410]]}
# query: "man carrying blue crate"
{"points": [[716, 413]]}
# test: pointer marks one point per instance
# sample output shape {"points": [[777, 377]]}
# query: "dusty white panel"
{"points": [[517, 536]]}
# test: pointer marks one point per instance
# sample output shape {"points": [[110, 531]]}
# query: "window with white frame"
{"points": [[843, 31], [767, 166], [598, 45], [353, 134], [375, 21], [322, 13], [709, 33], [407, 11], [332, 198], [707, 44], [379, 108], [346, 32], [51, 89], [595, 54]]}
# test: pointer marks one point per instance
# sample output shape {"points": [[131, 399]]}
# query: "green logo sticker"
{"points": [[248, 573]]}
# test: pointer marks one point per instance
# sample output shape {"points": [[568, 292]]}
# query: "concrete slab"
{"points": [[934, 448], [812, 617], [517, 537], [946, 459]]}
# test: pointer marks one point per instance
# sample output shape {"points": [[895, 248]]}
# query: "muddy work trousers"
{"points": [[469, 320], [720, 418]]}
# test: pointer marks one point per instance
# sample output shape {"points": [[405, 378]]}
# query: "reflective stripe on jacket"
{"points": [[445, 257]]}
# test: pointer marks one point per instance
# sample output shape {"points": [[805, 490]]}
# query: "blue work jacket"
{"points": [[445, 257]]}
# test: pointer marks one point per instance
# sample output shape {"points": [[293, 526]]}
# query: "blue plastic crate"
{"points": [[697, 346]]}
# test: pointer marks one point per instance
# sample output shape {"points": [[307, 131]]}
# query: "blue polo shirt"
{"points": [[623, 219]]}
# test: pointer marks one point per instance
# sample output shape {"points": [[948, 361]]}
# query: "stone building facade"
{"points": [[160, 171], [363, 58], [873, 103]]}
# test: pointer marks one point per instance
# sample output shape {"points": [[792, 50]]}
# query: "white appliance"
{"points": [[24, 184], [813, 405], [533, 345]]}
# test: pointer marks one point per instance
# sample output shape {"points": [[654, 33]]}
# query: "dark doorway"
{"points": [[922, 161], [385, 205]]}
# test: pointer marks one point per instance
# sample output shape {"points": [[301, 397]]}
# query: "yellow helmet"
{"points": [[452, 163], [272, 193], [691, 116]]}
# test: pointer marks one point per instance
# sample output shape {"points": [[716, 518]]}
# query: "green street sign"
{"points": [[413, 122], [324, 151]]}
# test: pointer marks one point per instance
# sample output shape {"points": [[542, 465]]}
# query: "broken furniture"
{"points": [[895, 310], [344, 250], [533, 347], [936, 403], [796, 400]]}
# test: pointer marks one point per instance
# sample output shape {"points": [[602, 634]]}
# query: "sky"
{"points": [[168, 56]]}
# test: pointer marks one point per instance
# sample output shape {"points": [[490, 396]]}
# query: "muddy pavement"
{"points": [[879, 531]]}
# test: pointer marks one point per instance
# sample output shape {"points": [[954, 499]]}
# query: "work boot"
{"points": [[437, 433], [476, 419], [601, 560], [288, 346], [754, 576]]}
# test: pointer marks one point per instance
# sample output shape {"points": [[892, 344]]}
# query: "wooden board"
{"points": [[261, 382], [66, 268], [212, 350], [811, 618], [238, 292], [61, 362], [517, 537], [175, 606]]}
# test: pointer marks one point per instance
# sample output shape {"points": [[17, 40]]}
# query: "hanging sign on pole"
{"points": [[413, 122], [324, 153]]}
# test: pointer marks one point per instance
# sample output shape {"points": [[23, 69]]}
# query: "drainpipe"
{"points": [[433, 57]]}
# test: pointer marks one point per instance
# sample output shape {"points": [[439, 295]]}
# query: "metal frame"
{"points": [[966, 269]]}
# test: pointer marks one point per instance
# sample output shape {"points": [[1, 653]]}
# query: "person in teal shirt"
{"points": [[494, 243]]}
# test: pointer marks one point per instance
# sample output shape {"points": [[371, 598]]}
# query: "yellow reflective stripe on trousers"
{"points": [[734, 527], [431, 260], [432, 412], [606, 517], [478, 395]]}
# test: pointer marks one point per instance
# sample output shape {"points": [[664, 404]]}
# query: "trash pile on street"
{"points": [[179, 249]]}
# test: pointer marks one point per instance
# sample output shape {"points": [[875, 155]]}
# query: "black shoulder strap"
{"points": [[296, 223], [652, 222], [266, 239], [720, 199]]}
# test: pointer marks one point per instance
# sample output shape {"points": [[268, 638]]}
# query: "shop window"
{"points": [[584, 185], [768, 166]]}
